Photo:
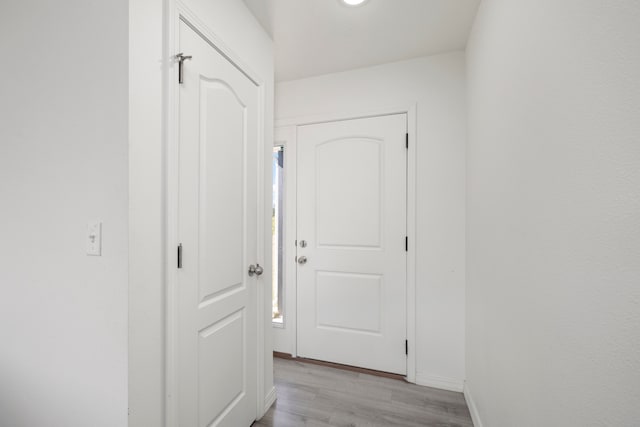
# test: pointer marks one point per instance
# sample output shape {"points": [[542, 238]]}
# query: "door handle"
{"points": [[255, 269], [302, 260]]}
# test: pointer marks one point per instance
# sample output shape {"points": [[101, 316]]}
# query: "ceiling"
{"points": [[315, 37]]}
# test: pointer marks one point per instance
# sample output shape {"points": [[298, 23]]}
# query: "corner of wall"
{"points": [[269, 400], [473, 409], [442, 383]]}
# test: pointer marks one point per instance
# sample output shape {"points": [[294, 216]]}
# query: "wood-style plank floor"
{"points": [[320, 396]]}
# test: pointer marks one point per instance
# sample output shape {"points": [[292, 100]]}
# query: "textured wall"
{"points": [[553, 247], [63, 161]]}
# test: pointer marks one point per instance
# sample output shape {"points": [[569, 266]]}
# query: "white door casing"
{"points": [[352, 201], [215, 332]]}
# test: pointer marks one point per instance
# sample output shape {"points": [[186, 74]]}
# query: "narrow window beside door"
{"points": [[277, 222]]}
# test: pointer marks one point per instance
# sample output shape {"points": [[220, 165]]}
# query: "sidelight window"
{"points": [[277, 241]]}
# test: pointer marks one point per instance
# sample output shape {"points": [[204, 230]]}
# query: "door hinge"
{"points": [[407, 140], [406, 243], [180, 255], [181, 58], [406, 347]]}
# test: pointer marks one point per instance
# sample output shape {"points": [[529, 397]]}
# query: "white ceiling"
{"points": [[315, 37]]}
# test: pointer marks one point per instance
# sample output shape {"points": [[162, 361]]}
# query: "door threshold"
{"points": [[357, 369]]}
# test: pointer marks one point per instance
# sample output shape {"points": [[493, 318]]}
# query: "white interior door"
{"points": [[216, 298], [351, 242]]}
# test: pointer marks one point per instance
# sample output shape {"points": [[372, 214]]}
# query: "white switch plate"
{"points": [[94, 238]]}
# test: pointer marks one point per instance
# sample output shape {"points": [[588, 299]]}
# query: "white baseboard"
{"points": [[269, 399], [443, 383], [473, 409]]}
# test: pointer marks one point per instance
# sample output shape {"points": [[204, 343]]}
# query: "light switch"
{"points": [[94, 238]]}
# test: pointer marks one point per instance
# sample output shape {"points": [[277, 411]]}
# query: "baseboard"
{"points": [[443, 383], [281, 355], [473, 409], [269, 399]]}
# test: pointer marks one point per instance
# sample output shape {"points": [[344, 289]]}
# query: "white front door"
{"points": [[351, 242], [216, 298]]}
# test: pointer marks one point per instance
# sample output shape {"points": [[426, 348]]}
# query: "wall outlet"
{"points": [[94, 238]]}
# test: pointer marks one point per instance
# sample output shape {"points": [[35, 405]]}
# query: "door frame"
{"points": [[178, 11], [288, 127]]}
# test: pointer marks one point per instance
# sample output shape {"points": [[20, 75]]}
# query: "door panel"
{"points": [[216, 299], [337, 295], [352, 217], [360, 194], [222, 151], [228, 333]]}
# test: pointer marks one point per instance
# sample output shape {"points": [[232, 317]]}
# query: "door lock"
{"points": [[255, 269], [302, 260]]}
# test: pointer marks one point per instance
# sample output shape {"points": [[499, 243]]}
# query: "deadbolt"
{"points": [[303, 243]]}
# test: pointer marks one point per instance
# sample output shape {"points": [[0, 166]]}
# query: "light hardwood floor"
{"points": [[320, 396]]}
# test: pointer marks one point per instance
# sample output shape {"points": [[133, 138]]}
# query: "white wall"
{"points": [[437, 85], [63, 161], [553, 292], [231, 22]]}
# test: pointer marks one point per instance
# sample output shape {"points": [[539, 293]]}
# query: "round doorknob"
{"points": [[255, 269], [302, 260]]}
